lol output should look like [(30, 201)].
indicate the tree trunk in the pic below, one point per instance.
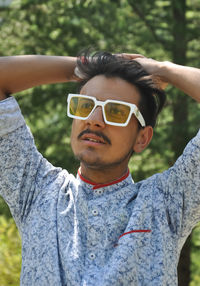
[(184, 265), (180, 102), (180, 130)]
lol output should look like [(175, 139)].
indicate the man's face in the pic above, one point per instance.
[(96, 144)]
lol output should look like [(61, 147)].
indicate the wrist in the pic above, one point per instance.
[(161, 74), (164, 69)]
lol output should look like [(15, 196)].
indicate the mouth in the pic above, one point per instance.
[(93, 138)]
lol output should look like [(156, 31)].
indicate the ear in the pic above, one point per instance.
[(143, 139)]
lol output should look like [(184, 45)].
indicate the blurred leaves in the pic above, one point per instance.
[(195, 257), (10, 253), (58, 27)]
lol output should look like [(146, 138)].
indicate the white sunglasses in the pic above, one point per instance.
[(115, 112)]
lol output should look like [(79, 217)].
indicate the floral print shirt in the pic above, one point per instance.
[(77, 233)]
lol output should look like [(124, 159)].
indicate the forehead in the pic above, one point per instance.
[(115, 88)]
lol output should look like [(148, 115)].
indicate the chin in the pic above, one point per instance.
[(91, 162)]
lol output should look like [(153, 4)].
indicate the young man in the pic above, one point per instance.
[(98, 228)]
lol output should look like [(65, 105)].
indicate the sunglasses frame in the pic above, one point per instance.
[(133, 110)]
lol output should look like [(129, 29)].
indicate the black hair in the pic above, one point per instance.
[(152, 99)]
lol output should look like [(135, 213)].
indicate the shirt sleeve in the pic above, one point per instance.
[(23, 170), (181, 186)]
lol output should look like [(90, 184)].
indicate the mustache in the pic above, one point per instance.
[(97, 133)]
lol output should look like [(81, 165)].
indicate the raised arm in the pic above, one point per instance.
[(185, 78), (18, 73)]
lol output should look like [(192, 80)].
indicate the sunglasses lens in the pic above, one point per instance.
[(116, 112), (80, 106)]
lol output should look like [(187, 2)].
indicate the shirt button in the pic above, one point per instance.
[(92, 256), (98, 192), (95, 212)]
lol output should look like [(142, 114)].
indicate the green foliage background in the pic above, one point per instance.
[(10, 252), (165, 30)]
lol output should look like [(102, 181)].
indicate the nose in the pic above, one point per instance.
[(96, 118)]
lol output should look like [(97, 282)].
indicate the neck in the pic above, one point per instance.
[(102, 176)]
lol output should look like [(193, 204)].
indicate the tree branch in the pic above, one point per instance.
[(141, 15)]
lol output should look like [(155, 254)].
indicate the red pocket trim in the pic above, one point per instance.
[(136, 230)]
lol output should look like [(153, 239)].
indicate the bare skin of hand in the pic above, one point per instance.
[(153, 67)]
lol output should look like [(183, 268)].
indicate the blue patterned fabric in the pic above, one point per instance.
[(72, 233)]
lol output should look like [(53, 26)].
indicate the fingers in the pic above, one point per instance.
[(132, 56), (160, 83), (150, 65)]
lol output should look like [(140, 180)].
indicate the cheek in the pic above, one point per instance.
[(124, 138), (75, 128), (74, 133)]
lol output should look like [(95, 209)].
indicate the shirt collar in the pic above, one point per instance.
[(97, 186)]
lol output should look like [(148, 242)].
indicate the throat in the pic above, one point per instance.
[(102, 176)]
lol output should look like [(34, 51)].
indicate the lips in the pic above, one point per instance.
[(92, 138)]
